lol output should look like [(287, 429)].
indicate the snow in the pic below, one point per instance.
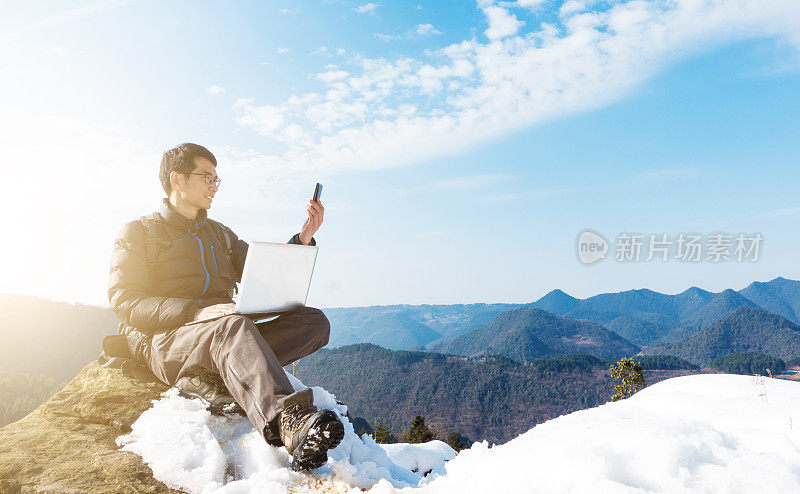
[(706, 433), (188, 448), (420, 458)]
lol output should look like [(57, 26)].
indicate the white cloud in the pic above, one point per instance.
[(419, 31), (214, 90), (426, 30), (501, 23), (265, 119), (367, 8), (472, 92), (386, 37), (283, 50), (332, 75), (572, 7), (531, 4), (290, 11), (329, 52)]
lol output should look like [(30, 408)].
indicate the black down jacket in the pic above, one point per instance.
[(192, 270)]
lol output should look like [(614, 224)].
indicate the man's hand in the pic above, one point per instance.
[(213, 311), (314, 221)]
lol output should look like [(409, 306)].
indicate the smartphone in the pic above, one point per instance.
[(317, 192)]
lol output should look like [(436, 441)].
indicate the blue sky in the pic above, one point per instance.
[(463, 146)]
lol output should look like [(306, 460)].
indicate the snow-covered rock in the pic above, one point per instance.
[(708, 433), (700, 433), (192, 450)]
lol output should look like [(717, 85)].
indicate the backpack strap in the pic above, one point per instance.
[(226, 234), (222, 231)]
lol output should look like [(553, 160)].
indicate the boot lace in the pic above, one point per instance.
[(295, 416)]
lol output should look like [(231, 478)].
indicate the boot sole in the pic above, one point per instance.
[(325, 433)]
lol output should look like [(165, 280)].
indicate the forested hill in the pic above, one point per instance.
[(717, 308), (779, 296), (748, 329), (20, 393), (525, 334), (47, 338), (642, 316), (491, 398), (402, 327)]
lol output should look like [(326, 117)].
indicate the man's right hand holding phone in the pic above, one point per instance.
[(315, 214)]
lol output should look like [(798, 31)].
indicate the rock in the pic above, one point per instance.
[(67, 444)]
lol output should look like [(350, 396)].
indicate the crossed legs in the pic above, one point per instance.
[(248, 357)]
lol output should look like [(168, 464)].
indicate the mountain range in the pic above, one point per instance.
[(525, 334), (380, 324), (62, 337), (747, 329), (493, 353), (642, 316)]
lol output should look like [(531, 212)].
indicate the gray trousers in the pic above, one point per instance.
[(248, 357)]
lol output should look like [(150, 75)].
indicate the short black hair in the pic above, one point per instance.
[(181, 159)]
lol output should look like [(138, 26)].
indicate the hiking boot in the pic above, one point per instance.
[(210, 388), (308, 434)]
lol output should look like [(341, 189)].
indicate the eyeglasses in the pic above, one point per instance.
[(209, 179)]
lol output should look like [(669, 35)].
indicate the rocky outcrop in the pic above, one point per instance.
[(67, 444)]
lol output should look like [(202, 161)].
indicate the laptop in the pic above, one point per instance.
[(276, 279)]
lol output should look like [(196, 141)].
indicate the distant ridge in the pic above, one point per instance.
[(721, 305), (397, 331), (527, 333), (63, 337), (375, 324), (47, 338), (690, 301), (747, 329), (557, 302), (780, 296), (642, 316), (616, 304)]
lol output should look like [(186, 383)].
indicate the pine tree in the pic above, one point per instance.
[(418, 432), (631, 375), (382, 434), (456, 441)]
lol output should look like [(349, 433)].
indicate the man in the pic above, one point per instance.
[(176, 266)]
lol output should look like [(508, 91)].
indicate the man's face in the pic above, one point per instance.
[(195, 191)]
